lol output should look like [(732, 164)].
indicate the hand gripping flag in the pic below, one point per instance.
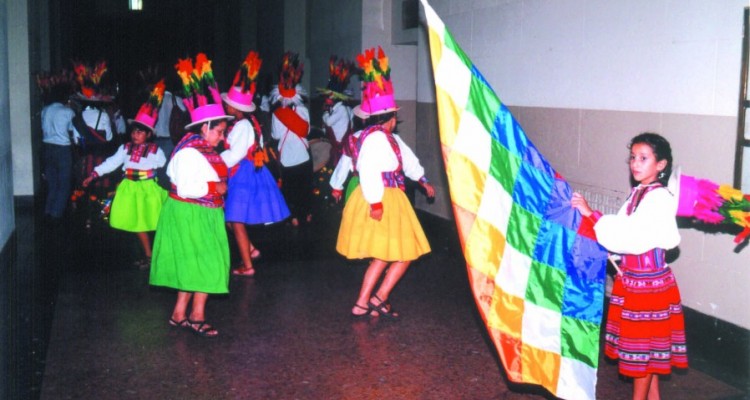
[(535, 268)]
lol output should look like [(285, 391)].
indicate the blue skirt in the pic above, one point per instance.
[(253, 197)]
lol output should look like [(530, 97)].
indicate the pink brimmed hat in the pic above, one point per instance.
[(149, 111), (239, 100), (377, 88), (202, 97), (240, 95)]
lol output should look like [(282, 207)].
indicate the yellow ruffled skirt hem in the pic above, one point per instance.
[(398, 236)]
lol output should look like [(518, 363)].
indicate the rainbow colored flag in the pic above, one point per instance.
[(535, 268)]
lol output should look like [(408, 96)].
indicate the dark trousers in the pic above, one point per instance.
[(58, 171), (296, 185)]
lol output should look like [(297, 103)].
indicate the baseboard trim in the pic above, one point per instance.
[(718, 348)]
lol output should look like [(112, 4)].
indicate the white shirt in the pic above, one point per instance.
[(161, 129), (339, 119), (376, 156), (190, 172), (342, 169), (96, 119), (121, 157), (652, 225), (56, 122), (292, 148), (120, 124), (240, 139)]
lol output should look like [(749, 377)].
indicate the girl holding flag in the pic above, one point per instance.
[(645, 327)]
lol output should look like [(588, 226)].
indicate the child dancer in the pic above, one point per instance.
[(290, 125), (378, 221), (191, 251), (645, 325), (252, 195), (138, 199)]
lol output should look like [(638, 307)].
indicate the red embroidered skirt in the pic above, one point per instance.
[(645, 325)]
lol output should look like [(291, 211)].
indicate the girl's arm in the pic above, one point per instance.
[(161, 159), (652, 225), (240, 139), (339, 175), (412, 168), (108, 165)]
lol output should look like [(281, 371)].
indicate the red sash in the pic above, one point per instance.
[(292, 121)]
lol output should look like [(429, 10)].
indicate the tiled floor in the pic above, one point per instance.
[(285, 334)]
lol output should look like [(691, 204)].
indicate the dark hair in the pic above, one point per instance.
[(380, 118), (58, 94), (150, 135), (662, 151)]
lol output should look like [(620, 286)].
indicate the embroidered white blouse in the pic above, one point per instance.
[(190, 172), (652, 225), (147, 161), (375, 157)]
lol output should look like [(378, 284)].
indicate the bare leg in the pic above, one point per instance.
[(372, 275), (243, 244), (145, 242), (394, 274), (641, 387), (180, 307), (653, 391), (198, 313), (198, 316)]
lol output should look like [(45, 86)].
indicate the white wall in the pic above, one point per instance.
[(676, 56), (20, 107), (7, 219), (584, 76)]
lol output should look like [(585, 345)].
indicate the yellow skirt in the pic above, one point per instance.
[(398, 236)]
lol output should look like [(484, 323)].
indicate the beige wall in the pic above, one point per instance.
[(589, 148)]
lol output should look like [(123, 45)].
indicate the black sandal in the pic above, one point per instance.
[(202, 329), (363, 315), (383, 308), (178, 324)]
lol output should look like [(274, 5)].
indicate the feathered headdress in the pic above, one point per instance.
[(339, 73), (149, 111), (709, 202), (377, 89), (89, 80), (55, 86), (202, 97), (240, 95), (288, 91)]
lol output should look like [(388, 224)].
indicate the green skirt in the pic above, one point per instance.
[(351, 187), (137, 205), (191, 251)]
